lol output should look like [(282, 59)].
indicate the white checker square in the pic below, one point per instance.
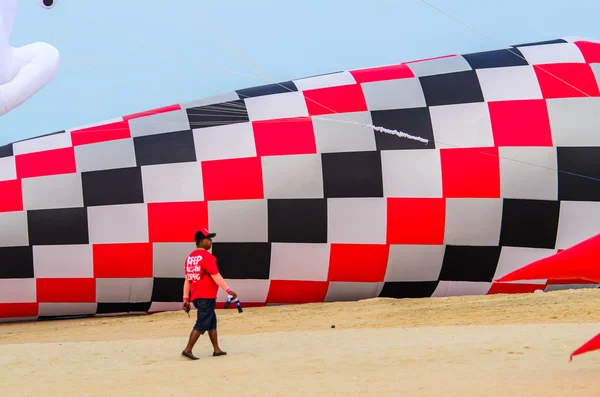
[(325, 81), (170, 183), (159, 123), (63, 261), (509, 83), (299, 262), (239, 220), (349, 218), (412, 173), (252, 291), (59, 191), (276, 106), (15, 230), (578, 221), (552, 53), (224, 142), (168, 259), (461, 288), (293, 176), (574, 121), (463, 125), (414, 262), (335, 133), (352, 291), (8, 169), (124, 290), (473, 221), (108, 155), (442, 65), (18, 290), (127, 223), (394, 94), (513, 258), (66, 309), (211, 100), (49, 142), (528, 173)]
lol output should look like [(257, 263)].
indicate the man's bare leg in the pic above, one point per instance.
[(212, 334), (194, 335)]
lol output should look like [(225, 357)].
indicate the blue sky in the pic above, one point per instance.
[(125, 56)]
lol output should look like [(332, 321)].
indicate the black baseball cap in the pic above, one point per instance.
[(204, 233)]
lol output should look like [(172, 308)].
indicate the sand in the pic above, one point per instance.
[(499, 345)]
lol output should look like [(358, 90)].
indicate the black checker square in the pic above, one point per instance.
[(536, 43), (166, 148), (224, 113), (412, 121), (61, 226), (529, 223), (112, 187), (408, 289), (452, 88), (496, 58), (167, 289), (243, 260), (297, 220), (470, 263), (268, 89), (352, 174), (6, 150), (123, 307), (16, 262), (578, 173)]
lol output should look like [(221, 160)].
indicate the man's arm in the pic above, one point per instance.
[(186, 289), (220, 281)]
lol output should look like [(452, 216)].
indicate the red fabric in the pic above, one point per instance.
[(296, 292), (589, 50), (339, 99), (470, 172), (517, 288), (176, 222), (11, 196), (66, 290), (358, 262), (591, 345), (18, 310), (123, 260), (391, 72), (151, 112), (520, 123), (579, 77), (284, 136), (101, 133), (416, 220), (233, 179), (199, 265), (49, 162), (577, 262)]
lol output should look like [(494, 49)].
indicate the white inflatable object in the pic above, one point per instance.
[(23, 70)]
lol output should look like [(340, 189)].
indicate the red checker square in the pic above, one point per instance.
[(520, 123), (573, 281), (567, 80), (470, 172), (164, 109), (123, 260), (66, 290), (49, 162), (176, 222), (284, 136), (11, 196), (390, 72), (233, 179), (416, 221), (358, 262), (101, 133), (340, 99), (295, 292), (589, 50), (18, 310), (514, 288)]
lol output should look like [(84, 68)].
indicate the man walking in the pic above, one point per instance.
[(202, 282)]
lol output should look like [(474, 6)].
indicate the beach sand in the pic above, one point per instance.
[(498, 345)]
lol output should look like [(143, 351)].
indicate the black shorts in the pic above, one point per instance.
[(207, 318)]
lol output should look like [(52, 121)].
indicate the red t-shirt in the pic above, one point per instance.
[(199, 265)]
